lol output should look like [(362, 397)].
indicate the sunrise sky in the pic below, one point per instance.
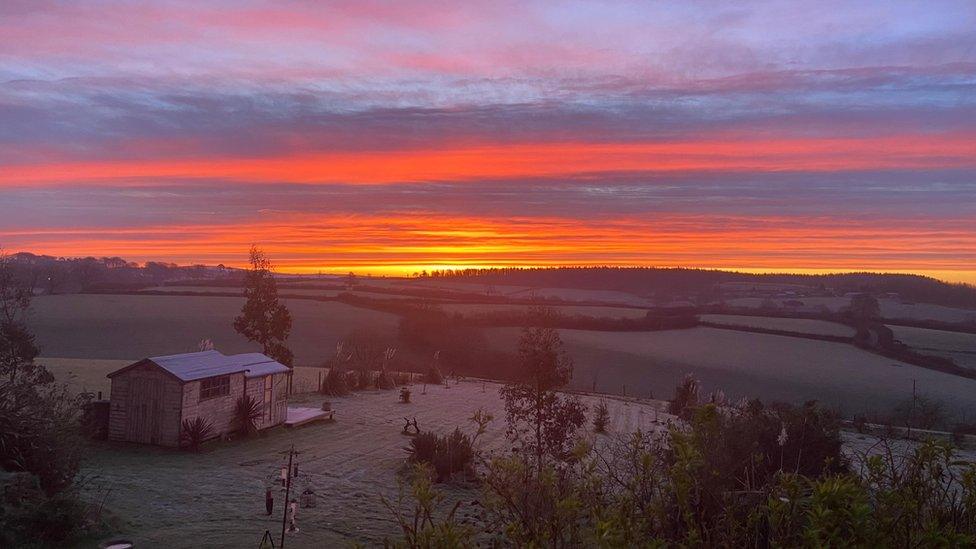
[(390, 137)]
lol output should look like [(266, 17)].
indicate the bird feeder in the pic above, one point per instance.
[(307, 498)]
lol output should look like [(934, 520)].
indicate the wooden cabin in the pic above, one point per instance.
[(151, 398)]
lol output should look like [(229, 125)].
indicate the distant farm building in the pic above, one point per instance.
[(151, 398)]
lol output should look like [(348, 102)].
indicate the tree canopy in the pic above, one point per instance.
[(263, 318)]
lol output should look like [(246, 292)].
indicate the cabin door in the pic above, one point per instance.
[(144, 411)]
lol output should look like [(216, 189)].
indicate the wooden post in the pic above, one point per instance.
[(284, 516)]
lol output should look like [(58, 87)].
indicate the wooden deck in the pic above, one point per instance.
[(301, 416)]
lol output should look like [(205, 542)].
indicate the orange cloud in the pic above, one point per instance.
[(406, 243), (523, 160)]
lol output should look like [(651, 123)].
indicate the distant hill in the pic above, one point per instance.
[(649, 281)]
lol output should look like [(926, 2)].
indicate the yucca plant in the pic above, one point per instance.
[(246, 413), (194, 432)]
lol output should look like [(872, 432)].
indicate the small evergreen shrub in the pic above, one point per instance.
[(335, 383), (364, 379), (404, 395), (384, 380), (434, 376), (686, 398), (602, 418)]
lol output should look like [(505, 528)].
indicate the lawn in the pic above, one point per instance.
[(958, 346), (745, 364), (167, 498), (130, 327), (800, 325)]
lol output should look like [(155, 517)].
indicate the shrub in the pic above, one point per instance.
[(404, 395), (602, 418), (247, 411), (194, 432), (434, 376), (920, 413), (384, 380), (336, 382), (363, 379), (29, 518), (427, 527), (447, 455), (686, 397)]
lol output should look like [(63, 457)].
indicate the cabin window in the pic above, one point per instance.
[(214, 387)]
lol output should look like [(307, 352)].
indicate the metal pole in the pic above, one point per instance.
[(284, 516)]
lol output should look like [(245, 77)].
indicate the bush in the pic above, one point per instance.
[(404, 395), (434, 376), (336, 382), (447, 455), (730, 478), (686, 397), (384, 380), (29, 518), (363, 379), (602, 418), (920, 413), (194, 432), (427, 526)]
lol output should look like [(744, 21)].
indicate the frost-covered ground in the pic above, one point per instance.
[(166, 498)]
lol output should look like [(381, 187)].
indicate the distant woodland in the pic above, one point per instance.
[(650, 281), (52, 275)]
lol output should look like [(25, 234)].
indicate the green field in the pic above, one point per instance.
[(960, 347), (131, 327), (753, 365), (799, 325)]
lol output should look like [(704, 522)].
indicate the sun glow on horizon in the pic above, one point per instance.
[(404, 139)]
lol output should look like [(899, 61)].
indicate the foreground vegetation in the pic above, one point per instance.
[(742, 475), (40, 437)]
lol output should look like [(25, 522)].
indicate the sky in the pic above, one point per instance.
[(392, 137)]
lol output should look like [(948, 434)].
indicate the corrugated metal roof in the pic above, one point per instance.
[(193, 366)]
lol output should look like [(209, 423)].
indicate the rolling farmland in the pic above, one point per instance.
[(130, 327), (960, 347), (747, 364), (799, 325)]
